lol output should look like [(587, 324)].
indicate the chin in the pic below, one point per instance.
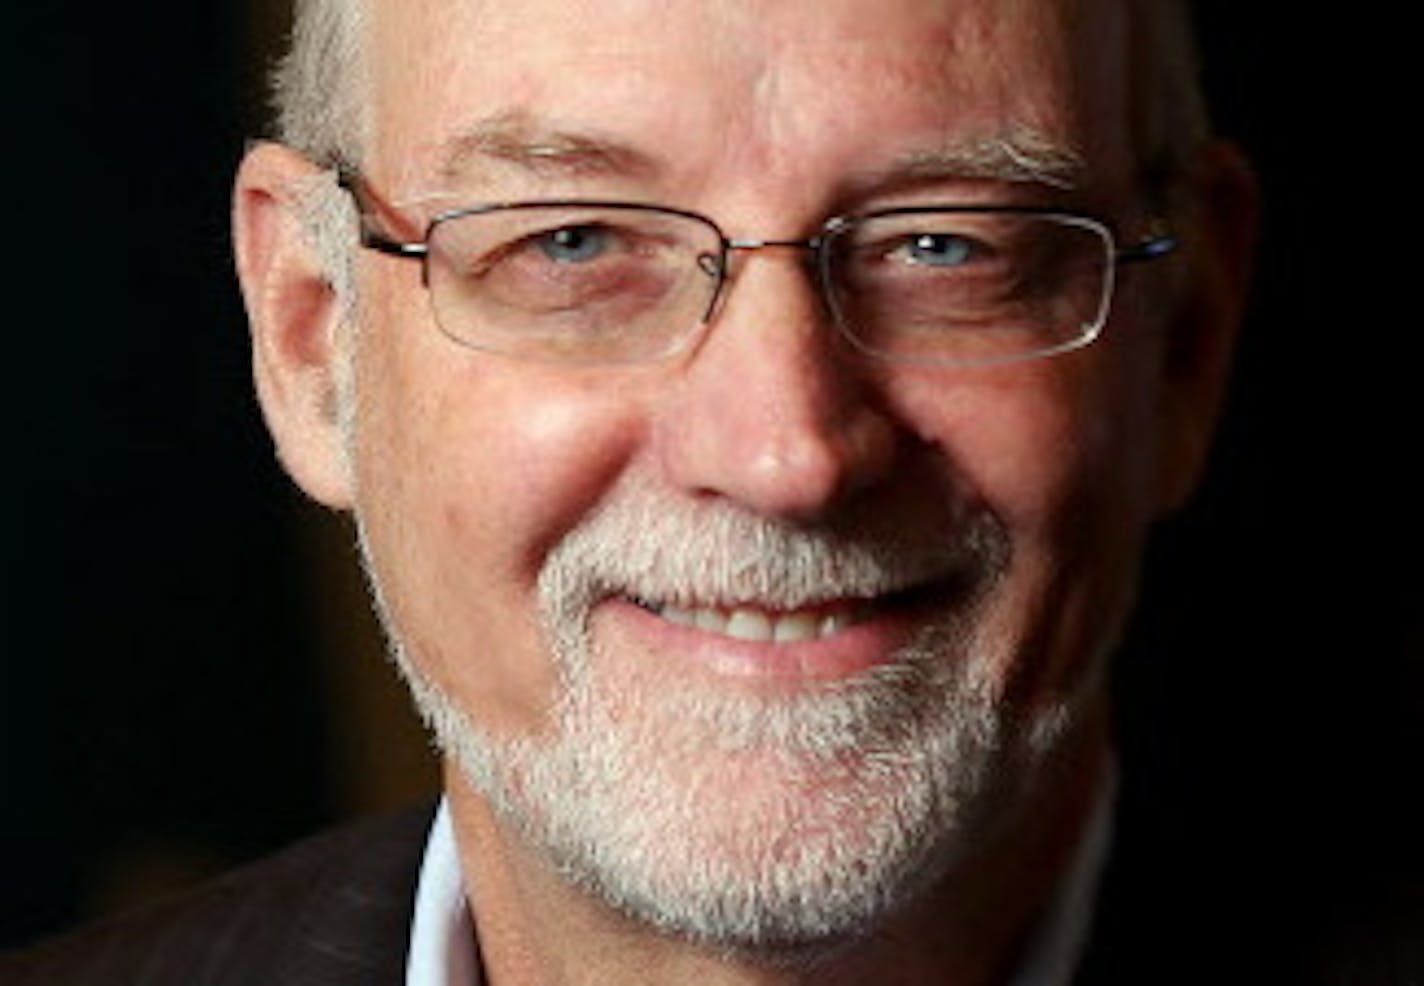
[(777, 827), (778, 822)]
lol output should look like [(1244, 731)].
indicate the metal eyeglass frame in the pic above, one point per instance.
[(1157, 244)]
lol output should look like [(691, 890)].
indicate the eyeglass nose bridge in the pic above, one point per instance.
[(813, 244), (720, 266)]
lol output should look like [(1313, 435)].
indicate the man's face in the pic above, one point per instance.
[(755, 639)]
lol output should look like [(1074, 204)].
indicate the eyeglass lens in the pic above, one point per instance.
[(588, 283)]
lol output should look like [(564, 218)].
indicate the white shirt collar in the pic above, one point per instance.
[(442, 940), (442, 936)]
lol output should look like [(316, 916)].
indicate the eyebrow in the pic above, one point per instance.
[(516, 138), (1017, 155)]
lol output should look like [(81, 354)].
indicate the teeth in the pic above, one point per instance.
[(681, 617), (706, 619), (759, 625), (833, 623), (746, 624), (796, 627)]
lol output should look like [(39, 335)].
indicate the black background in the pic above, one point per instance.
[(153, 684)]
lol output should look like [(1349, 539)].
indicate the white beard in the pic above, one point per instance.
[(757, 823)]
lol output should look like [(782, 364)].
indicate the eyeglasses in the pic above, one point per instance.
[(615, 282)]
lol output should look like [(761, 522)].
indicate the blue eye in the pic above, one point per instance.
[(573, 244), (939, 249)]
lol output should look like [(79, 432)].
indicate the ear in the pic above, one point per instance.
[(294, 315), (1207, 304)]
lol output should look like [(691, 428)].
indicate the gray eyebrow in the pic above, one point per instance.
[(516, 138), (1020, 155)]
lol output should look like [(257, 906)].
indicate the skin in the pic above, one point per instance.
[(467, 468)]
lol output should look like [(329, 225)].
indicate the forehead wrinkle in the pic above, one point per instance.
[(518, 139), (1013, 130)]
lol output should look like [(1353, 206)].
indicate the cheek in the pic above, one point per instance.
[(469, 469), (1060, 452), (1030, 442)]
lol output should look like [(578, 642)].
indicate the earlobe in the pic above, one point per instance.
[(294, 316), (1207, 308)]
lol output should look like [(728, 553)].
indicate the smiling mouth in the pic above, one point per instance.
[(751, 622)]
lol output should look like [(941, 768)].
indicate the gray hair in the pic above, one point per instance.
[(318, 87), (319, 97)]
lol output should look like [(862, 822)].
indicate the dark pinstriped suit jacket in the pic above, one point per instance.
[(332, 912), (336, 911)]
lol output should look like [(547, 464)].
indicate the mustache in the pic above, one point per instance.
[(662, 548)]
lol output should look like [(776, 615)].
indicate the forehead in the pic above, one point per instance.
[(747, 87)]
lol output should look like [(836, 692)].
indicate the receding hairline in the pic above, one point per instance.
[(321, 86)]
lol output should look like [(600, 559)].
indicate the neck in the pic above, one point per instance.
[(534, 929)]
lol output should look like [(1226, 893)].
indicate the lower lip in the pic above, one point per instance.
[(869, 643)]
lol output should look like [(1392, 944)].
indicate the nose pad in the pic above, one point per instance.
[(714, 266)]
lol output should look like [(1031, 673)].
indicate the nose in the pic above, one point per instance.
[(769, 411)]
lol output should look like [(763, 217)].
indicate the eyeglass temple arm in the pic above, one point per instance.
[(1152, 248), (384, 244), (349, 179)]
